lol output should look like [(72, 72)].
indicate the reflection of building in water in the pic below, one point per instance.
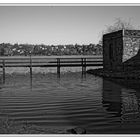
[(112, 97), (120, 101), (130, 106)]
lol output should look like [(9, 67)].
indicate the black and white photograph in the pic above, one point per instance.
[(69, 69)]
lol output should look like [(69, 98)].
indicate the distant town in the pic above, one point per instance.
[(7, 49)]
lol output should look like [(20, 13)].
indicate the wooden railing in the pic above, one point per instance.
[(82, 61)]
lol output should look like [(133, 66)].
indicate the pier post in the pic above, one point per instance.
[(58, 66), (83, 61), (84, 65), (3, 68), (30, 68)]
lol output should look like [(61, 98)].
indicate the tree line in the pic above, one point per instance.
[(7, 49)]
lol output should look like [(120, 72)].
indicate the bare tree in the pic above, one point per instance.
[(119, 24)]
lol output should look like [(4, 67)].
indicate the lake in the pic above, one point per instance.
[(49, 102)]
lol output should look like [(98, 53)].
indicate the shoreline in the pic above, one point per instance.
[(135, 74)]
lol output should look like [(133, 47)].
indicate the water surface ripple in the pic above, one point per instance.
[(98, 105)]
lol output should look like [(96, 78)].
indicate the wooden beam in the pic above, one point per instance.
[(3, 68), (58, 66), (30, 67)]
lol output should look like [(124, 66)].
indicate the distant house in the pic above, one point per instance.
[(119, 48)]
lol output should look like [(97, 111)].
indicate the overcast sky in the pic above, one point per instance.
[(60, 24)]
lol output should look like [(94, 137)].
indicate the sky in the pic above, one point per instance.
[(61, 24)]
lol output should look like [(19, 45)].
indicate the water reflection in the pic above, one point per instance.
[(122, 99), (111, 97), (96, 104), (31, 81), (130, 103)]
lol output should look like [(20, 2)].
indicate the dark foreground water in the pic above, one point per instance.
[(92, 103)]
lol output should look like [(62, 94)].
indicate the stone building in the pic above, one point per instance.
[(120, 48)]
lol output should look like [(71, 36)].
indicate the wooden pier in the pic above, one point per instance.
[(82, 61)]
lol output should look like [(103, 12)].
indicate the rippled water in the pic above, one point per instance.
[(97, 105)]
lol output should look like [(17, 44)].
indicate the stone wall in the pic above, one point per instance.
[(112, 50), (131, 44)]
